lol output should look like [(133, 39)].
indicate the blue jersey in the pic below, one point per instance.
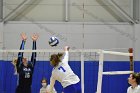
[(25, 72)]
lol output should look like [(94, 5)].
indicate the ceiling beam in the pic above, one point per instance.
[(1, 10), (119, 9), (23, 6), (136, 10), (116, 11)]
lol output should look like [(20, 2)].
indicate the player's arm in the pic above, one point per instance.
[(52, 82), (54, 91), (33, 57), (40, 91), (66, 55), (20, 54)]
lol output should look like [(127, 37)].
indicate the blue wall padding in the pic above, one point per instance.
[(111, 84)]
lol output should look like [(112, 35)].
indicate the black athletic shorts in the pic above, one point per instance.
[(25, 89)]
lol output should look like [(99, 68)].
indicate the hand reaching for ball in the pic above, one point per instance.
[(66, 48)]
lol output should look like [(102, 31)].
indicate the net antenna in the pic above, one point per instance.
[(131, 59), (101, 72)]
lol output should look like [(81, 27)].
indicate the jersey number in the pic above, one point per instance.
[(27, 75), (61, 68)]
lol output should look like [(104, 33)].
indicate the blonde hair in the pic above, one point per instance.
[(14, 62)]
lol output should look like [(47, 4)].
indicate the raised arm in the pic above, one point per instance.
[(20, 54), (33, 57), (66, 55)]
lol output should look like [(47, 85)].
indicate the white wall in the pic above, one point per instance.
[(46, 10), (1, 34), (1, 38), (76, 35), (137, 43)]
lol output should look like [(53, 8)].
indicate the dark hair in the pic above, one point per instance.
[(136, 76), (44, 79), (55, 59)]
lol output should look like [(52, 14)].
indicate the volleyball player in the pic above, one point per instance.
[(24, 68), (134, 81), (63, 73)]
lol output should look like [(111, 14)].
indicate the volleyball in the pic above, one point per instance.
[(53, 41)]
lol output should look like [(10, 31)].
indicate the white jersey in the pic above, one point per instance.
[(45, 89), (63, 73), (133, 90)]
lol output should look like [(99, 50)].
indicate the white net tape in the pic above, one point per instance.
[(117, 72)]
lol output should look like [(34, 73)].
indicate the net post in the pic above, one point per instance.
[(131, 59), (82, 71), (100, 72)]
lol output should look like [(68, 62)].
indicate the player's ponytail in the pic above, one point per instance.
[(60, 55), (14, 62), (137, 77)]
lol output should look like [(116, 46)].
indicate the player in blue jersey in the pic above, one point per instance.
[(24, 68), (63, 73)]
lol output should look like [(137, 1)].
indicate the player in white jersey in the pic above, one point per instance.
[(134, 81), (63, 73)]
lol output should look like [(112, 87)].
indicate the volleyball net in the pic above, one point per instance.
[(82, 55)]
